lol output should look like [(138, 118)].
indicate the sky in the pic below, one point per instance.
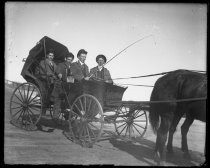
[(177, 37)]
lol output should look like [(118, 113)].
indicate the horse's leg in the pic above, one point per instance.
[(172, 129), (161, 139), (184, 130)]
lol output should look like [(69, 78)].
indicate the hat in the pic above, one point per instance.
[(82, 51), (101, 56), (69, 55), (50, 51)]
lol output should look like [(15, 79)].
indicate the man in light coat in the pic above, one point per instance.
[(79, 69), (100, 73)]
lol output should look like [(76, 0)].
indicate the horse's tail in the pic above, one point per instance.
[(154, 115)]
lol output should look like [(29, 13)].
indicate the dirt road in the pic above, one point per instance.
[(52, 147)]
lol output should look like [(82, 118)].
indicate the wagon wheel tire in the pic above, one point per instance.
[(131, 125), (26, 106), (86, 120)]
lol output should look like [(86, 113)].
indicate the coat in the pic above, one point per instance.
[(65, 70), (45, 70), (77, 71), (105, 74)]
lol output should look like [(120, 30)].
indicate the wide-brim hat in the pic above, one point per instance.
[(70, 55), (101, 56)]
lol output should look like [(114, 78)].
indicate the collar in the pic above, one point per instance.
[(67, 64), (100, 68), (80, 62), (49, 62)]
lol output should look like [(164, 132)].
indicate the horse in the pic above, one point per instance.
[(183, 85)]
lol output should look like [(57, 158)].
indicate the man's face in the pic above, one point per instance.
[(101, 61), (69, 59), (82, 57), (50, 56)]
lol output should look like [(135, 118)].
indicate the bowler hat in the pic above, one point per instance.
[(101, 56), (69, 55), (82, 51)]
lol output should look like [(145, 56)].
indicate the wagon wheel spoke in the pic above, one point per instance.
[(31, 94), (20, 114), (139, 126), (89, 104), (17, 113), (16, 107), (122, 129), (33, 98), (35, 108), (77, 108), (140, 120), (121, 125), (16, 102), (139, 115), (81, 105), (137, 129), (18, 98), (29, 117), (91, 131), (23, 88), (28, 92)]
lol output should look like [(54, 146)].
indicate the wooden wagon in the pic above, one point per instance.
[(86, 114)]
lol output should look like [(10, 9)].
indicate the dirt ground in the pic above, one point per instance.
[(52, 147)]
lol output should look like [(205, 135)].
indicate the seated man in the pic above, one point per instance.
[(63, 87), (46, 72), (100, 73)]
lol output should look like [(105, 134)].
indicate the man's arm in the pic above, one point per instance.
[(107, 77)]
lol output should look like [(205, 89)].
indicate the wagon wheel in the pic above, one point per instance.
[(26, 106), (131, 123), (86, 120)]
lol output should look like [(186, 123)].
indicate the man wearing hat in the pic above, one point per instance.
[(79, 69), (100, 73)]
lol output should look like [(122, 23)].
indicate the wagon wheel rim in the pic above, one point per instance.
[(86, 119), (132, 125), (26, 106)]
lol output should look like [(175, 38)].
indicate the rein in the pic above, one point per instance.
[(163, 101)]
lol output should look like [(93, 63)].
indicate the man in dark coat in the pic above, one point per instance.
[(46, 71), (100, 73), (62, 86)]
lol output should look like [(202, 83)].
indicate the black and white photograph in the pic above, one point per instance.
[(90, 83)]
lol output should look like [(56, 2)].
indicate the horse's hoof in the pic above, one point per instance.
[(187, 155), (157, 158)]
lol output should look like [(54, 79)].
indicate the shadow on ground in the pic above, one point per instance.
[(143, 151)]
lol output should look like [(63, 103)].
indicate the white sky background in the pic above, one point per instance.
[(179, 31)]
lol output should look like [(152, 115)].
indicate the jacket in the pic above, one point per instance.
[(77, 71), (65, 70), (104, 72), (45, 70)]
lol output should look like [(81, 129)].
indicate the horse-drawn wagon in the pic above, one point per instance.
[(86, 113)]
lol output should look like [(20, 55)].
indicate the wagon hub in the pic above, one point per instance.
[(25, 104), (129, 120)]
